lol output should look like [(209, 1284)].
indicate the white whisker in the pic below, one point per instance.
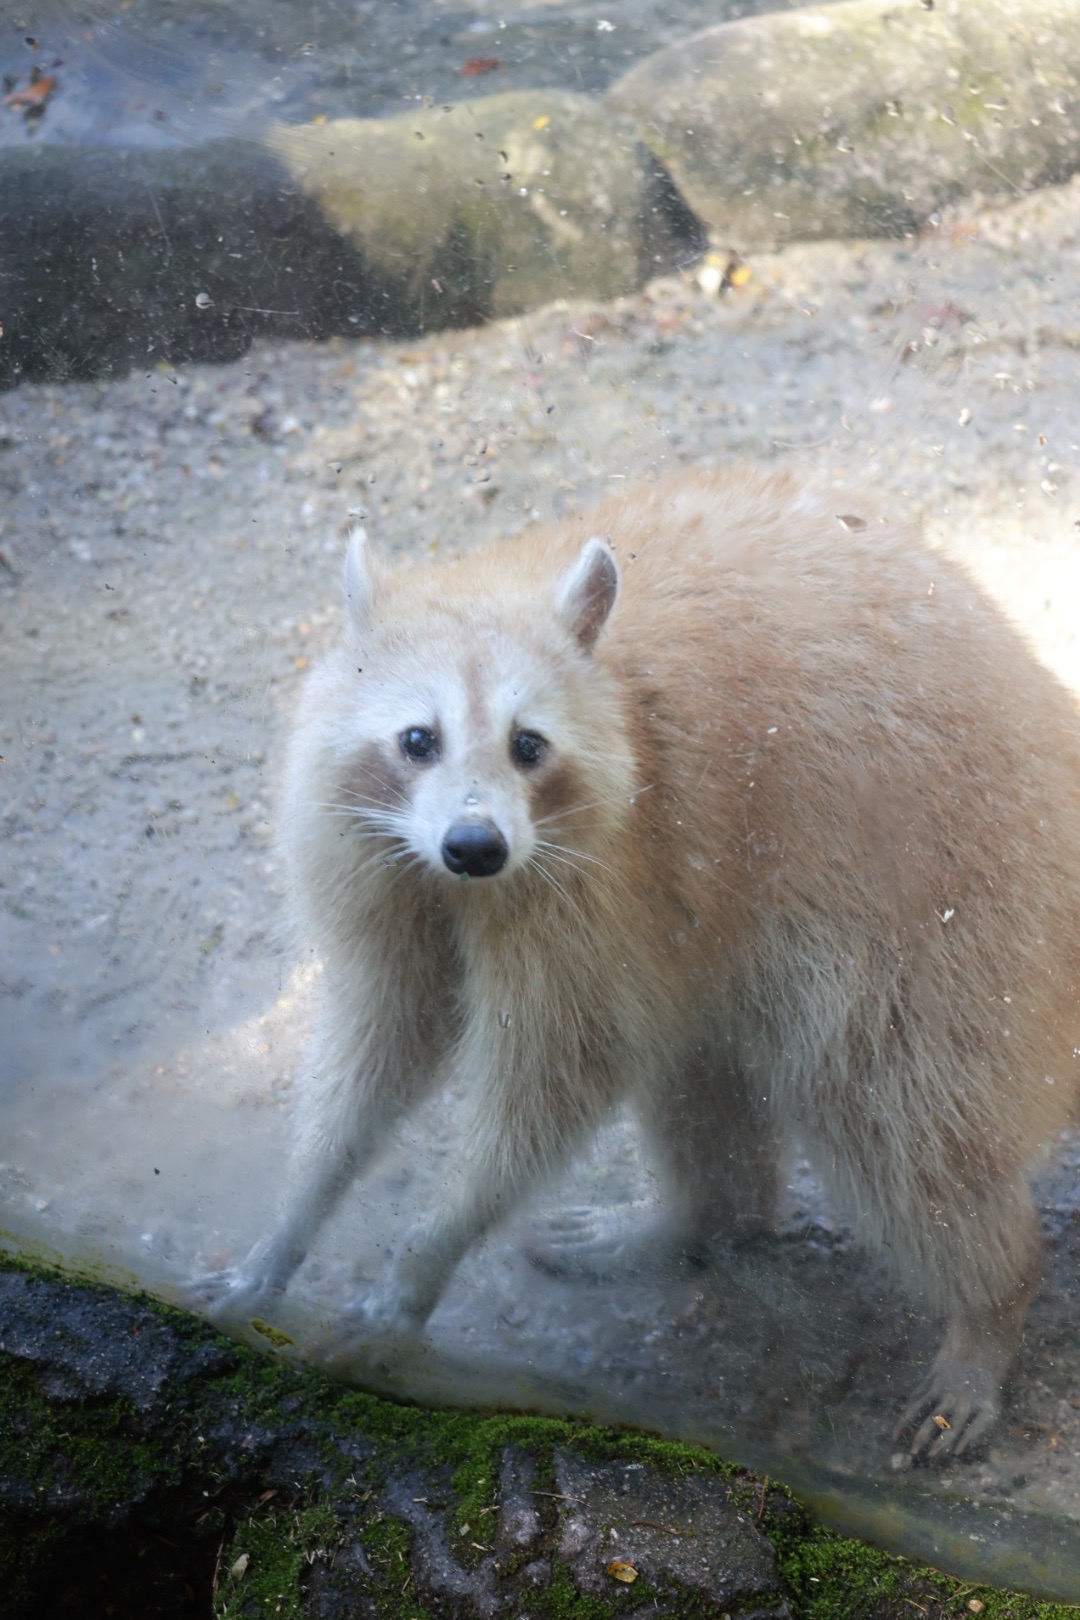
[(593, 804), (569, 856), (536, 864), (391, 788)]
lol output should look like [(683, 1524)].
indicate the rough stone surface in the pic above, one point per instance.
[(497, 204), (438, 218), (857, 119), (860, 119), (675, 1534), (154, 1469)]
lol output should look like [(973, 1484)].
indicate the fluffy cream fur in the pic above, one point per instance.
[(801, 853)]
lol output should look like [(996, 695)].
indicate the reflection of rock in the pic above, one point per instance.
[(444, 217), (860, 119)]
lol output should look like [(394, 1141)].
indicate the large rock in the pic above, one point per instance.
[(441, 217), (147, 1467), (862, 118), (504, 202), (150, 1467)]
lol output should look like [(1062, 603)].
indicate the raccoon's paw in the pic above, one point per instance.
[(388, 1310), (950, 1416), (608, 1245), (233, 1291)]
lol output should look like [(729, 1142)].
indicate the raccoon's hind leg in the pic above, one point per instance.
[(985, 1252), (928, 1187), (716, 1156)]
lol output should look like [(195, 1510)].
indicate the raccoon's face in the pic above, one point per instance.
[(488, 743)]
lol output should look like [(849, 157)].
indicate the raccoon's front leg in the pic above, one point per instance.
[(523, 1125), (364, 1078)]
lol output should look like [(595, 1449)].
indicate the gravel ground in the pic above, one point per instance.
[(169, 559)]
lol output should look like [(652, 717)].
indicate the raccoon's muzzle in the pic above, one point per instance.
[(474, 848)]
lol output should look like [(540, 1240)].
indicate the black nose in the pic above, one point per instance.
[(475, 848)]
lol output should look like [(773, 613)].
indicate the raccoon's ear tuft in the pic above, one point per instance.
[(587, 592), (358, 579)]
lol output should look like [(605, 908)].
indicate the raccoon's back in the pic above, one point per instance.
[(848, 745)]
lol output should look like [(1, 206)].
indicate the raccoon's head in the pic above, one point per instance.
[(486, 740)]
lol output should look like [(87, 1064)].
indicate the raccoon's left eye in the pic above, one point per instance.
[(419, 743), (527, 748)]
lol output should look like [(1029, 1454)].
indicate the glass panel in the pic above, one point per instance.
[(239, 327)]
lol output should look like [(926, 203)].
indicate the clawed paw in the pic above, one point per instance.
[(948, 1419), (603, 1246), (387, 1311), (231, 1292)]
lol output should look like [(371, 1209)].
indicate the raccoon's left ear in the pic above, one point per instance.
[(587, 592), (357, 579)]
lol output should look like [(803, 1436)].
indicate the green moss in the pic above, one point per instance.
[(262, 1571), (23, 1551), (387, 1545), (563, 1601), (831, 1577), (96, 1454), (104, 1453)]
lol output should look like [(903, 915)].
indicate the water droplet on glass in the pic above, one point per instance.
[(203, 300), (504, 1020)]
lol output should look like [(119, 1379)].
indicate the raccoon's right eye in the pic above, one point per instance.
[(419, 743)]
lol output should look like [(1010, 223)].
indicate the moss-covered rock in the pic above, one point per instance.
[(149, 1467), (861, 119), (440, 218), (494, 205)]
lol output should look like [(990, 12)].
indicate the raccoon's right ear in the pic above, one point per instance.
[(358, 579), (587, 592)]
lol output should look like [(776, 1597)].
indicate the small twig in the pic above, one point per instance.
[(216, 1582), (651, 1524), (761, 1505)]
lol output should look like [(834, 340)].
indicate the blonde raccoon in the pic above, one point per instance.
[(713, 802)]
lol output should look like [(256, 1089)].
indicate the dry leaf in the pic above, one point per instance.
[(33, 95), (620, 1571)]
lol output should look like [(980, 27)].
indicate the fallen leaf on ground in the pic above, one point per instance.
[(31, 95)]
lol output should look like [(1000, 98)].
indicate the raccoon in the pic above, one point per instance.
[(761, 820)]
